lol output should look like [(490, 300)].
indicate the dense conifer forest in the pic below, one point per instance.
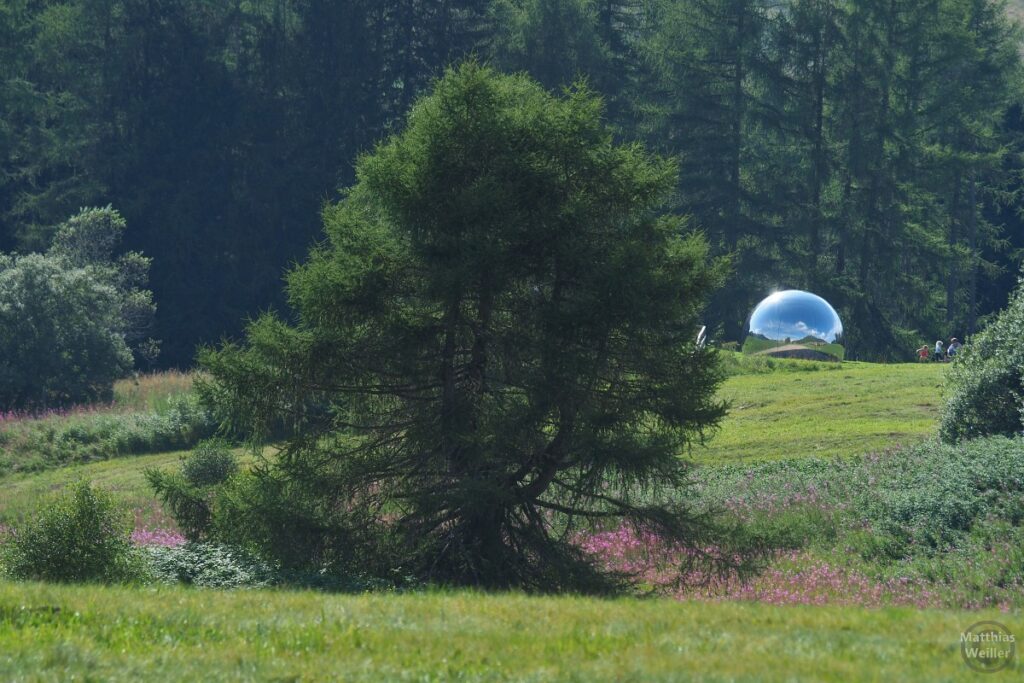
[(868, 150)]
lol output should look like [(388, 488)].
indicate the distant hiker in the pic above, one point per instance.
[(940, 351), (954, 348), (923, 353)]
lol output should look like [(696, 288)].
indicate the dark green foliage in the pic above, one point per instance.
[(220, 128), (190, 493), (856, 149), (68, 317), (985, 384), (867, 150), (81, 536), (495, 346), (59, 341), (210, 464)]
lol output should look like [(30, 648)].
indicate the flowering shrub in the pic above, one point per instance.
[(924, 499), (164, 538), (794, 578), (932, 525)]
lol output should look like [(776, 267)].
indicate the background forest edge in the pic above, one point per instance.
[(868, 154)]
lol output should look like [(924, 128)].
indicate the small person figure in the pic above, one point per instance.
[(923, 353), (940, 351), (953, 348)]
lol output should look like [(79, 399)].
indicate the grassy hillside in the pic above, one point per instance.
[(21, 493), (825, 410), (124, 634), (797, 409)]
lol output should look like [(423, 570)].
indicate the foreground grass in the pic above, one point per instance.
[(125, 634), (851, 409)]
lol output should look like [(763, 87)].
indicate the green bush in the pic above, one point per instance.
[(211, 463), (213, 565), (985, 384), (80, 536), (68, 317), (189, 494)]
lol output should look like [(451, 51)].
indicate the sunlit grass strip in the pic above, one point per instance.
[(152, 391), (125, 634), (851, 410), (149, 392)]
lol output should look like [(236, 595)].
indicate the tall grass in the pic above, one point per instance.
[(151, 392), (149, 414)]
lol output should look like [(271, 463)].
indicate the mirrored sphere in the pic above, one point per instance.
[(795, 324)]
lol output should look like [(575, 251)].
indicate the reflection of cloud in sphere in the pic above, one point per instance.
[(795, 324)]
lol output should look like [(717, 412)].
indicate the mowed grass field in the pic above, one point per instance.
[(51, 633), (848, 409), (124, 477)]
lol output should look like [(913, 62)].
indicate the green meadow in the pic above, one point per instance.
[(781, 413), (56, 633), (830, 410)]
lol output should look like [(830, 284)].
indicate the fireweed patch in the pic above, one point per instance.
[(929, 526), (165, 538), (795, 578)]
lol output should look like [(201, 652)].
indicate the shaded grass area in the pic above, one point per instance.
[(124, 634), (797, 409)]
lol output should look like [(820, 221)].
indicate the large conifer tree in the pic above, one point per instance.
[(494, 345)]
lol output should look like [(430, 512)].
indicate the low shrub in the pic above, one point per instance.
[(214, 565), (208, 566), (909, 502), (948, 519), (211, 463), (80, 536)]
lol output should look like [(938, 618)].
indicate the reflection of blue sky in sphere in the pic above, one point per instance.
[(795, 316)]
